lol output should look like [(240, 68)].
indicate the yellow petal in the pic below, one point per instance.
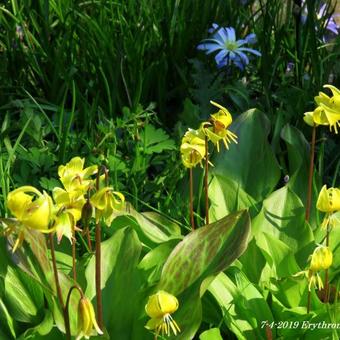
[(160, 304)]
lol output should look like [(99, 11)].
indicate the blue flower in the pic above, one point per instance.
[(230, 50), (330, 23)]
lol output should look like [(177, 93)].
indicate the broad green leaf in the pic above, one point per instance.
[(282, 234), (151, 228), (250, 164), (21, 304), (243, 305), (307, 324), (42, 330), (163, 223), (226, 196), (120, 282), (189, 313), (152, 263), (253, 262), (298, 157), (205, 252), (211, 334), (279, 256)]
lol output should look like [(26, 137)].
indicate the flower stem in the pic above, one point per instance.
[(98, 276), (69, 298), (191, 199), (88, 237), (74, 270), (326, 270), (58, 288), (308, 301), (310, 177), (98, 265), (206, 181)]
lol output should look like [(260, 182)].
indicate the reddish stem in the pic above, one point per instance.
[(58, 288)]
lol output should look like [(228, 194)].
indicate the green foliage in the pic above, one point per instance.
[(118, 84)]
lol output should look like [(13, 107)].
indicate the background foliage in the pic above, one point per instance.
[(119, 83)]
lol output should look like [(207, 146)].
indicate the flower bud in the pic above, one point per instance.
[(86, 319), (86, 212)]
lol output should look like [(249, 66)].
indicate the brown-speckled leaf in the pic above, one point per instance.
[(206, 251)]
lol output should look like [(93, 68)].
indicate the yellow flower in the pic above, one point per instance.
[(328, 110), (31, 207), (69, 207), (321, 258), (314, 280), (328, 200), (317, 117), (107, 202), (192, 148), (74, 177), (217, 128), (159, 308), (86, 320)]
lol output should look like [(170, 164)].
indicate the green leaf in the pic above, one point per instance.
[(156, 140), (152, 263), (120, 282), (226, 196), (250, 164), (151, 227), (21, 304), (205, 252), (243, 305), (6, 321), (43, 329), (298, 160), (211, 334), (282, 234)]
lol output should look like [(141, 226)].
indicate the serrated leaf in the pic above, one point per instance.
[(156, 140)]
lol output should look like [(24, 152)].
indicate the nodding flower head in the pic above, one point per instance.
[(32, 210), (328, 200), (87, 323), (217, 128), (106, 203), (321, 259), (192, 148), (327, 111), (159, 308), (31, 207)]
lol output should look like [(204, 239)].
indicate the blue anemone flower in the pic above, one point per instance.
[(229, 49)]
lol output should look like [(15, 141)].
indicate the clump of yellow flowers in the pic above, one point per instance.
[(193, 148), (327, 111), (61, 212), (159, 308)]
